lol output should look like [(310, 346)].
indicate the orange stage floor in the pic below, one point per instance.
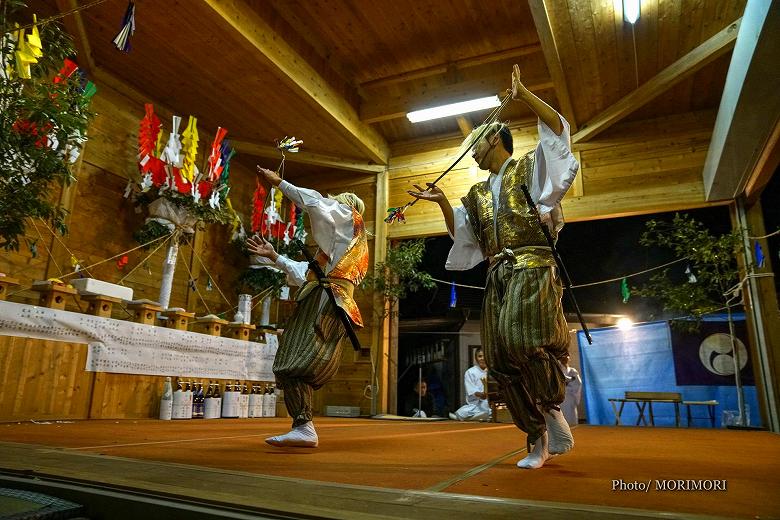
[(463, 458)]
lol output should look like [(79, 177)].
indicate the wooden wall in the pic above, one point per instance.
[(635, 168)]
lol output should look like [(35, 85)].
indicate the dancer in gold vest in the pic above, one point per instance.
[(524, 331), (310, 347)]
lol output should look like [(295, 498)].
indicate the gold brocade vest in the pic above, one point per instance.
[(515, 227), (348, 272)]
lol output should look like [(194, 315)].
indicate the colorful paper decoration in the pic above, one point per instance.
[(226, 153), (624, 290), (89, 90), (68, 68), (215, 165), (190, 147), (28, 50), (300, 229), (289, 144), (127, 28), (172, 151), (453, 296), (759, 255), (396, 215), (258, 203), (122, 262), (148, 133)]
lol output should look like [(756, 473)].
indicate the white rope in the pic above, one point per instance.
[(581, 285)]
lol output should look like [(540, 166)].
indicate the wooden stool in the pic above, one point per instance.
[(99, 304), (5, 284), (212, 325), (144, 311), (178, 318), (241, 330), (53, 294)]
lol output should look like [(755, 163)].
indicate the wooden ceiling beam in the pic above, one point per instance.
[(328, 161), (74, 24), (678, 71), (384, 108), (300, 76), (553, 60), (443, 68)]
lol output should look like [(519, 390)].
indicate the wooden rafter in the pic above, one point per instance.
[(553, 60), (300, 76), (74, 24), (385, 108), (303, 157), (458, 65), (678, 71)]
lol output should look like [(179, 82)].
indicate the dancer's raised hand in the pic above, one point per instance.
[(259, 246), (269, 176)]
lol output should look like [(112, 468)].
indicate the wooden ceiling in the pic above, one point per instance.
[(341, 74)]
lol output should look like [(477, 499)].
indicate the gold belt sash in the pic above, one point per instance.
[(524, 257)]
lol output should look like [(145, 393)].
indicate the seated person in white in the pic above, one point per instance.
[(476, 407), (573, 392)]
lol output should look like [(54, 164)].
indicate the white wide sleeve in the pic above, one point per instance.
[(473, 383), (295, 271), (331, 221), (554, 171), (465, 252)]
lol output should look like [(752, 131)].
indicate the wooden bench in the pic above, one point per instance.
[(645, 400)]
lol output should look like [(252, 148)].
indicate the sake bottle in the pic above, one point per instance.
[(166, 401)]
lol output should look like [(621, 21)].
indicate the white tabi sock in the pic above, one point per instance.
[(538, 455), (561, 439), (303, 436)]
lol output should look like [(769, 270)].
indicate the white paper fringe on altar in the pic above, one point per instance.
[(124, 347)]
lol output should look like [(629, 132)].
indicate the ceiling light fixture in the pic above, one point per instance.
[(631, 11), (453, 109)]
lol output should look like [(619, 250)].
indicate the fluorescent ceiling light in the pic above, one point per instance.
[(453, 109), (631, 11)]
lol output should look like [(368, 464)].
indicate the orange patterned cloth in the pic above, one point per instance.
[(348, 272)]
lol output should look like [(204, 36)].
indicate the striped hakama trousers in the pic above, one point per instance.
[(309, 353), (524, 333)]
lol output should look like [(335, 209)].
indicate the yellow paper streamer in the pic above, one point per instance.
[(160, 143), (28, 49), (190, 147), (23, 56), (34, 41)]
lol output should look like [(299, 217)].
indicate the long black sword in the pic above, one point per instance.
[(341, 313), (558, 261)]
